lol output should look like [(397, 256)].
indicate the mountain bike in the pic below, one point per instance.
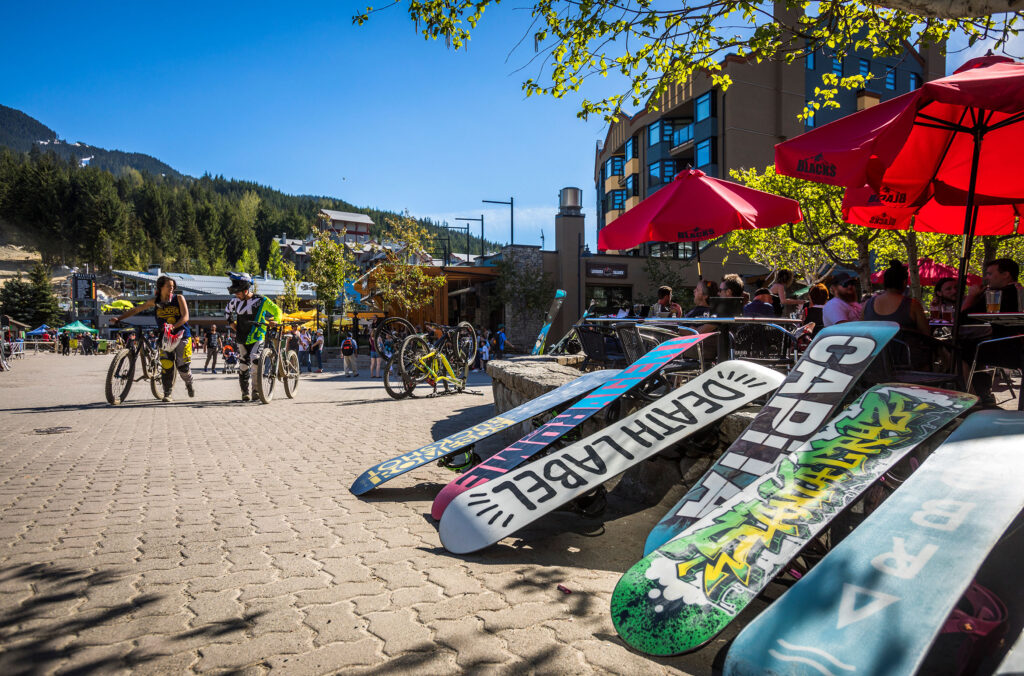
[(446, 361), (389, 335), (121, 373), (276, 363), (395, 383), (5, 352)]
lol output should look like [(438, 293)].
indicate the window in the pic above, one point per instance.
[(809, 121), (630, 148), (915, 81), (632, 186), (618, 199), (702, 107), (810, 61), (661, 172), (890, 79), (837, 66), (865, 67), (613, 167), (681, 135), (660, 131), (705, 153), (609, 299)]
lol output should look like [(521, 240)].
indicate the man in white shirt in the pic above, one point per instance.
[(843, 307)]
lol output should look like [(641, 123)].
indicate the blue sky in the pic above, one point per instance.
[(292, 95)]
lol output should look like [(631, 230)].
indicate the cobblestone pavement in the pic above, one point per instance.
[(210, 536)]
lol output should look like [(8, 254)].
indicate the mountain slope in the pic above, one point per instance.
[(22, 133)]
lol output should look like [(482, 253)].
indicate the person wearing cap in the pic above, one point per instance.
[(499, 341), (843, 306), (761, 306), (251, 314)]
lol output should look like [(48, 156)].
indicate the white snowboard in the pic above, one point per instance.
[(481, 517)]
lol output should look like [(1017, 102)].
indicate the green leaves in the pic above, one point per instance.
[(654, 45)]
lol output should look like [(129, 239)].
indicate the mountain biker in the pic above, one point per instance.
[(251, 314), (175, 343)]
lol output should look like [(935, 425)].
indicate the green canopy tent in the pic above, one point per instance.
[(77, 327)]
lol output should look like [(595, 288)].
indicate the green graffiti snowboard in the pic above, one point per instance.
[(684, 593)]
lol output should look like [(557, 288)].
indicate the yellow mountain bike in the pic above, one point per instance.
[(444, 361)]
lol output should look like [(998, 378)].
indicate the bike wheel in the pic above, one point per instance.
[(156, 383), (465, 345), (119, 377), (265, 376), (393, 331), (291, 373), (414, 348), (396, 386)]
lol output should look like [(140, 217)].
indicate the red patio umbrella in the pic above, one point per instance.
[(862, 206), (695, 207), (929, 272), (957, 138)]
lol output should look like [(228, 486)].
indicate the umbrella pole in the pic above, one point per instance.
[(970, 217), (700, 275)]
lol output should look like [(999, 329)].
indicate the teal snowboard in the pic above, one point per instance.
[(683, 594), (542, 337), (875, 604), (817, 385)]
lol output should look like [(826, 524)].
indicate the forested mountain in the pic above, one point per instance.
[(123, 216), (20, 132)]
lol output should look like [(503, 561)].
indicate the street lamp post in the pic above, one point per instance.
[(481, 219), (511, 216)]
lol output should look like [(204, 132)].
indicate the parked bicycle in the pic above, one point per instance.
[(390, 334), (444, 361), (276, 362), (121, 373), (6, 354)]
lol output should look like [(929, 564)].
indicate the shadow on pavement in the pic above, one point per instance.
[(34, 636)]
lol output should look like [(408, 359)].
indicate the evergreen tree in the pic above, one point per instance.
[(17, 299), (44, 302), (275, 262), (248, 262)]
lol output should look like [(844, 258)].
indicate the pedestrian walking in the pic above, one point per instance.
[(348, 355), (484, 352), (304, 342), (375, 362), (213, 346), (317, 350)]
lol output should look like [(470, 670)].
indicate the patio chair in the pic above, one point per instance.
[(911, 358), (596, 351), (767, 344), (633, 345), (999, 364)]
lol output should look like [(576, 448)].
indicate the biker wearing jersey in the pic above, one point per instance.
[(172, 319), (251, 314)]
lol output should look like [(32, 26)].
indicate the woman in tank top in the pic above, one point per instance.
[(893, 306)]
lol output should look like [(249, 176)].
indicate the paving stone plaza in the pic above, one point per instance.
[(209, 536)]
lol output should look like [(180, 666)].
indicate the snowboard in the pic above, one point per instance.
[(817, 385), (389, 469), (511, 457), (479, 518), (556, 305), (875, 604), (558, 347), (684, 593)]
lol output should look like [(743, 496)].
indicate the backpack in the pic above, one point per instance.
[(347, 347)]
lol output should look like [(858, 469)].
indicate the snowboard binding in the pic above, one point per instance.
[(460, 462)]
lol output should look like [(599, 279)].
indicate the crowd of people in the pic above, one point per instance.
[(839, 299)]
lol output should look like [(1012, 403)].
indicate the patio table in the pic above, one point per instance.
[(1009, 319), (724, 324)]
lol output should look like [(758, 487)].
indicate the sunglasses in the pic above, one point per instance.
[(849, 282)]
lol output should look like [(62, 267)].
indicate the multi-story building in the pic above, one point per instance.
[(698, 125), (355, 226)]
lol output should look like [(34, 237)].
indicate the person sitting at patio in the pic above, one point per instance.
[(818, 296), (731, 287), (893, 306), (665, 303), (783, 280), (945, 293), (844, 306), (1000, 275), (761, 306), (702, 294)]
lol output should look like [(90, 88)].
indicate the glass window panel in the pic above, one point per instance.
[(837, 66), (630, 148), (890, 79), (865, 67), (810, 61), (702, 108), (704, 153)]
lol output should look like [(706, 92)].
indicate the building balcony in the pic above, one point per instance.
[(612, 183), (632, 167), (611, 215), (632, 202)]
